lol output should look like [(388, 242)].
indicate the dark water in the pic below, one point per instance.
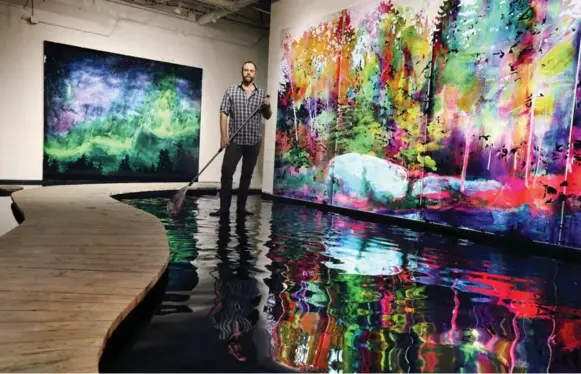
[(294, 288)]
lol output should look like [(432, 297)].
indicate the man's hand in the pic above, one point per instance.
[(224, 142), (266, 110)]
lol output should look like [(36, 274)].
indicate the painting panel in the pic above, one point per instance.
[(383, 108), (116, 118), (503, 76), (458, 113), (307, 109)]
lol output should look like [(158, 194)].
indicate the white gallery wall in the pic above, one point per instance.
[(219, 49)]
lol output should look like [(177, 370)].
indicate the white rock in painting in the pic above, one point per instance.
[(434, 184), (353, 171)]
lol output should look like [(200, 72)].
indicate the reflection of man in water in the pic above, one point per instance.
[(237, 295)]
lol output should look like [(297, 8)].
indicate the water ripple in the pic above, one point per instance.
[(339, 295)]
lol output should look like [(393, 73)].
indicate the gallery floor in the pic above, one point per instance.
[(69, 274), (288, 289)]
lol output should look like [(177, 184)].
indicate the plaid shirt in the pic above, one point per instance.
[(239, 106)]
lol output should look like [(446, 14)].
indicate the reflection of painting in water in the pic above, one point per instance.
[(183, 275), (237, 296), (455, 111), (351, 296), (345, 295)]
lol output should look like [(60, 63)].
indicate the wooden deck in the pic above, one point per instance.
[(72, 271)]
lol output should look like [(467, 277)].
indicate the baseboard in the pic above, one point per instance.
[(514, 244), (111, 181), (35, 182), (169, 193), (21, 182)]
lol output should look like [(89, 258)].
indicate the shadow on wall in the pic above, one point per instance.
[(465, 119)]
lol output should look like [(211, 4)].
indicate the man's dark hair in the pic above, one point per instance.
[(249, 62)]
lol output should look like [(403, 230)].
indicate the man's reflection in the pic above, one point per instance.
[(235, 311)]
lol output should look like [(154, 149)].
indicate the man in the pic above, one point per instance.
[(238, 103)]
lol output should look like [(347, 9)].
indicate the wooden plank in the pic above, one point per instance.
[(34, 348), (97, 233), (62, 297), (76, 278), (80, 264), (67, 284), (70, 273), (33, 328), (65, 287), (59, 360), (20, 336), (72, 248), (55, 316), (88, 254), (48, 306), (84, 250)]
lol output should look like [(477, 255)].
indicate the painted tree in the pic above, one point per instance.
[(460, 58), (383, 83), (288, 67), (324, 46), (463, 47), (310, 65), (414, 50), (442, 155), (125, 165), (360, 125)]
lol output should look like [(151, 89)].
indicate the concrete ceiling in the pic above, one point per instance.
[(250, 13)]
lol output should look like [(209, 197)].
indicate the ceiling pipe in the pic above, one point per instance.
[(235, 7), (223, 4), (261, 10)]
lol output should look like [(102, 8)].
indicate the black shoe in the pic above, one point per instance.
[(244, 212), (218, 213)]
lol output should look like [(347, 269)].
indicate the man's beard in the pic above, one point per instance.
[(248, 79)]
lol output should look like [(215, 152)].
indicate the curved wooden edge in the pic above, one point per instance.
[(73, 270)]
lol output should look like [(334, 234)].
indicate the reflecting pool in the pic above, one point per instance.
[(292, 288)]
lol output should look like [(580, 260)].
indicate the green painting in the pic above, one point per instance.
[(115, 118)]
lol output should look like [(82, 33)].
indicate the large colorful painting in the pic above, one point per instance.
[(460, 112), (110, 117)]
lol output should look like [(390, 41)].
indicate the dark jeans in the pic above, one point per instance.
[(232, 155)]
